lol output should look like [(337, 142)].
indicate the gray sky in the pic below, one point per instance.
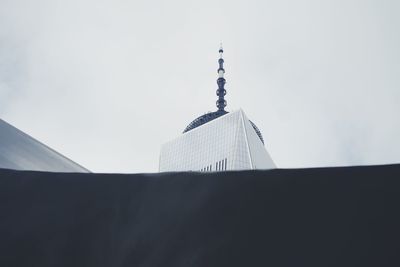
[(107, 82)]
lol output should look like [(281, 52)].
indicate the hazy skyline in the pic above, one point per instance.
[(105, 83)]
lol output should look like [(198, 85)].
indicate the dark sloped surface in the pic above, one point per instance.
[(307, 217), (19, 151)]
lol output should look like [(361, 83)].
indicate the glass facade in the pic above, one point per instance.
[(226, 143)]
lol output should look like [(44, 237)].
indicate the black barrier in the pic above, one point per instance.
[(301, 217)]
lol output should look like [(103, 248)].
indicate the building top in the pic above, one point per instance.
[(204, 119), (221, 102)]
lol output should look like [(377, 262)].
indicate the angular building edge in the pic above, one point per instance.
[(259, 156), (21, 151)]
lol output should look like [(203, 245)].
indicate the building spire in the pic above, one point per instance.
[(221, 92)]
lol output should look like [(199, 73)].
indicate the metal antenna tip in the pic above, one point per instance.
[(221, 50)]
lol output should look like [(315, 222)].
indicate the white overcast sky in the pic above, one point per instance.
[(107, 82)]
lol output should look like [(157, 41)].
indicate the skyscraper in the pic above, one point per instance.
[(217, 141)]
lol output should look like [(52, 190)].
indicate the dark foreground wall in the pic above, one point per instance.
[(307, 217)]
